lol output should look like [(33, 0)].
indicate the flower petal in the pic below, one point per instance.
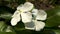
[(29, 26), (39, 25), (26, 7), (16, 13), (35, 12), (16, 18), (29, 6), (42, 15), (19, 7), (26, 17)]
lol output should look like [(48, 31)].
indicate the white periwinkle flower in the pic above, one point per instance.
[(32, 20), (38, 17), (22, 12)]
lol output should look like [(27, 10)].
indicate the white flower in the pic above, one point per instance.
[(22, 12), (35, 24), (26, 7), (31, 19)]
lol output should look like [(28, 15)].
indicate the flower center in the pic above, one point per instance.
[(20, 11)]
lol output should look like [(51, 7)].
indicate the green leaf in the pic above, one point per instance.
[(4, 28), (6, 16), (57, 31), (5, 13), (6, 33), (45, 31), (53, 17), (48, 31)]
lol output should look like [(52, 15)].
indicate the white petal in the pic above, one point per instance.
[(19, 7), (39, 25), (26, 7), (16, 18), (29, 26), (26, 17), (35, 12), (42, 15), (16, 13)]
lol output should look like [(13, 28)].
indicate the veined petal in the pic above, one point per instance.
[(27, 7), (26, 17), (16, 18), (39, 25), (35, 12), (30, 26), (42, 15)]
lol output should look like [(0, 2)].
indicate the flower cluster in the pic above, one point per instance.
[(31, 17)]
